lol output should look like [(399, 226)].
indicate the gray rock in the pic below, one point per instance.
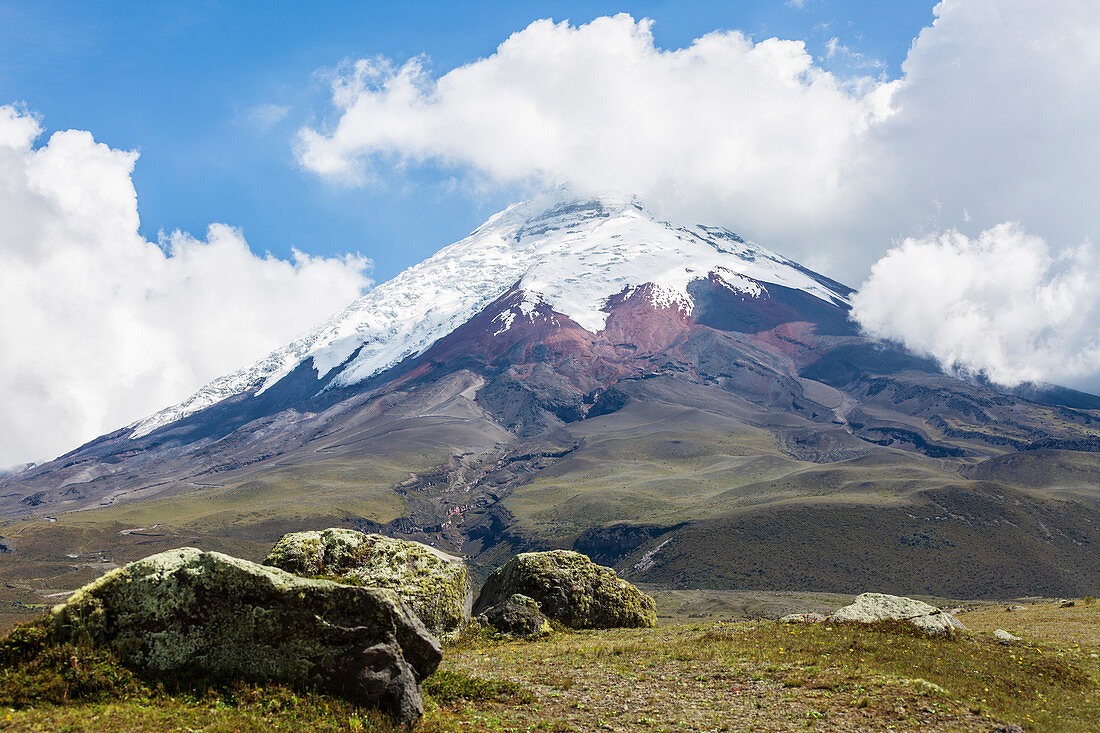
[(802, 618), (435, 585), (1009, 728), (191, 613), (871, 607), (1005, 637), (570, 589), (518, 616)]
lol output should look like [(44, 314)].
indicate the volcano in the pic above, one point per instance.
[(672, 399)]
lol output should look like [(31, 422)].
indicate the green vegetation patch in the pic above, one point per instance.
[(35, 669), (447, 687), (1042, 686)]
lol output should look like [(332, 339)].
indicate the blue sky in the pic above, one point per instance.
[(186, 84)]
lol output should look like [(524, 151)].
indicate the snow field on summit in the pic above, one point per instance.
[(568, 254)]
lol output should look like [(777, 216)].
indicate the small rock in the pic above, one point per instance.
[(1013, 609), (570, 589), (1004, 637), (872, 607), (191, 613), (1010, 728), (518, 616), (802, 618), (434, 584)]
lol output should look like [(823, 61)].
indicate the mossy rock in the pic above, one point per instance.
[(435, 585), (518, 616), (570, 589), (188, 613)]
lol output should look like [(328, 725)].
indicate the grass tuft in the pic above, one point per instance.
[(34, 669), (447, 687)]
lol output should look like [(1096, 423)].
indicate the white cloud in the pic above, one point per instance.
[(101, 327), (752, 128), (994, 119), (1002, 303)]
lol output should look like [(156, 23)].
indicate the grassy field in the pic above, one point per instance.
[(713, 676)]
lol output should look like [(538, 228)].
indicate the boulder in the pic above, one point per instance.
[(802, 618), (518, 616), (570, 589), (188, 613), (1005, 637), (434, 584), (871, 607)]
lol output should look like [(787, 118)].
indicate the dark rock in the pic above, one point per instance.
[(517, 616), (38, 498), (570, 589), (188, 613)]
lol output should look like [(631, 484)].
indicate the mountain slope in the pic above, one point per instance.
[(569, 256), (578, 373)]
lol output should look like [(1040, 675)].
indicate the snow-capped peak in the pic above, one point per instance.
[(568, 254)]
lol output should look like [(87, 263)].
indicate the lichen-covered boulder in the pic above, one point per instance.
[(435, 585), (570, 589), (204, 614), (871, 607), (518, 616)]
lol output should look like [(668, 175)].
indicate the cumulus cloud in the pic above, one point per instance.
[(753, 128), (993, 120), (1002, 303), (996, 120), (101, 327)]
